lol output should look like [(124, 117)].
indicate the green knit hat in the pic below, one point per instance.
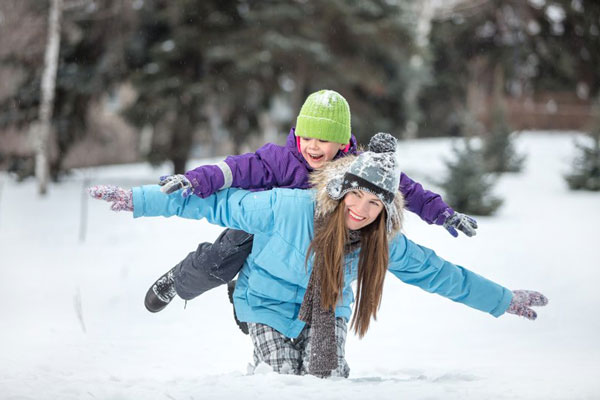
[(325, 115)]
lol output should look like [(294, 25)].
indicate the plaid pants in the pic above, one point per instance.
[(291, 356)]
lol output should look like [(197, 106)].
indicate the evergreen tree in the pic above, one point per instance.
[(364, 49), (541, 46), (90, 65), (215, 65), (498, 145), (586, 166), (467, 185)]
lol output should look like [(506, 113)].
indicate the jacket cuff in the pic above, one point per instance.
[(227, 174), (443, 216), (208, 179), (138, 201), (507, 296)]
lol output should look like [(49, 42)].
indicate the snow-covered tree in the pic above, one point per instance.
[(585, 174), (89, 65), (541, 46), (498, 144), (468, 185), (206, 65)]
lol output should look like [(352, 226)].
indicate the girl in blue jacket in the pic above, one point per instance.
[(294, 290), (322, 133)]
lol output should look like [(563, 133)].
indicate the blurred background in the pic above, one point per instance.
[(88, 82), (495, 104)]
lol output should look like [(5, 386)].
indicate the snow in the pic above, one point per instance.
[(555, 13), (74, 326), (326, 98)]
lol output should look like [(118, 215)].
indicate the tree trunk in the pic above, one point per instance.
[(215, 124), (47, 94), (298, 91), (181, 141)]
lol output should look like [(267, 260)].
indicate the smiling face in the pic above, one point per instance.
[(361, 208), (317, 152)]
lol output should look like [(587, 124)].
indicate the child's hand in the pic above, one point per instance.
[(462, 222), (173, 183), (121, 199), (522, 300)]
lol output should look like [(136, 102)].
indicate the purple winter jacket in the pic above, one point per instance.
[(285, 167)]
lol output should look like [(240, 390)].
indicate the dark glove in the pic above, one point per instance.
[(522, 300), (173, 183), (462, 222), (121, 199)]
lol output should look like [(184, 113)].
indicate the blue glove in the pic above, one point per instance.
[(173, 183), (462, 222)]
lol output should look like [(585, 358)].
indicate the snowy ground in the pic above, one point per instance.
[(73, 325)]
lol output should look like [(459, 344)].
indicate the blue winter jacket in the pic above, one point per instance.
[(272, 282)]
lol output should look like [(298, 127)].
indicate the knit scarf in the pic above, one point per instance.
[(323, 356)]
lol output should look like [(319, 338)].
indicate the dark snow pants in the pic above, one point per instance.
[(212, 264)]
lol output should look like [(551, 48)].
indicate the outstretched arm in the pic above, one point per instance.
[(420, 266), (270, 166), (432, 209), (232, 208)]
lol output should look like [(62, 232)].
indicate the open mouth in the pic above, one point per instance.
[(355, 217), (315, 157)]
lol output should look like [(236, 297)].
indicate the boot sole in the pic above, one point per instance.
[(149, 305)]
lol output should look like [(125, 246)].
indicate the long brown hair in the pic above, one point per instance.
[(329, 247)]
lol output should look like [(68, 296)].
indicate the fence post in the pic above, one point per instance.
[(2, 178), (84, 210)]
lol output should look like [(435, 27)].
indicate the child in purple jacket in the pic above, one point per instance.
[(322, 134)]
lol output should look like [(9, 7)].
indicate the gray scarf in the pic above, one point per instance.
[(323, 356)]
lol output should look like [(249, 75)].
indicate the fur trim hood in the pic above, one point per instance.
[(326, 182)]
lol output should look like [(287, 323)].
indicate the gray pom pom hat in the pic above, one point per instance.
[(375, 171)]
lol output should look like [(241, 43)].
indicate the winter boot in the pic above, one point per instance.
[(242, 325), (160, 293)]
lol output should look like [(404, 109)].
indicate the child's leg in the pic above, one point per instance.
[(209, 266), (341, 330), (275, 349), (212, 264)]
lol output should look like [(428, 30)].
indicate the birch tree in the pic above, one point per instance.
[(47, 95)]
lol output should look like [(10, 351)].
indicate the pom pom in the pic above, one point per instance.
[(383, 143)]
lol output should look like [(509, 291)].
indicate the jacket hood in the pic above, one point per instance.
[(321, 181)]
